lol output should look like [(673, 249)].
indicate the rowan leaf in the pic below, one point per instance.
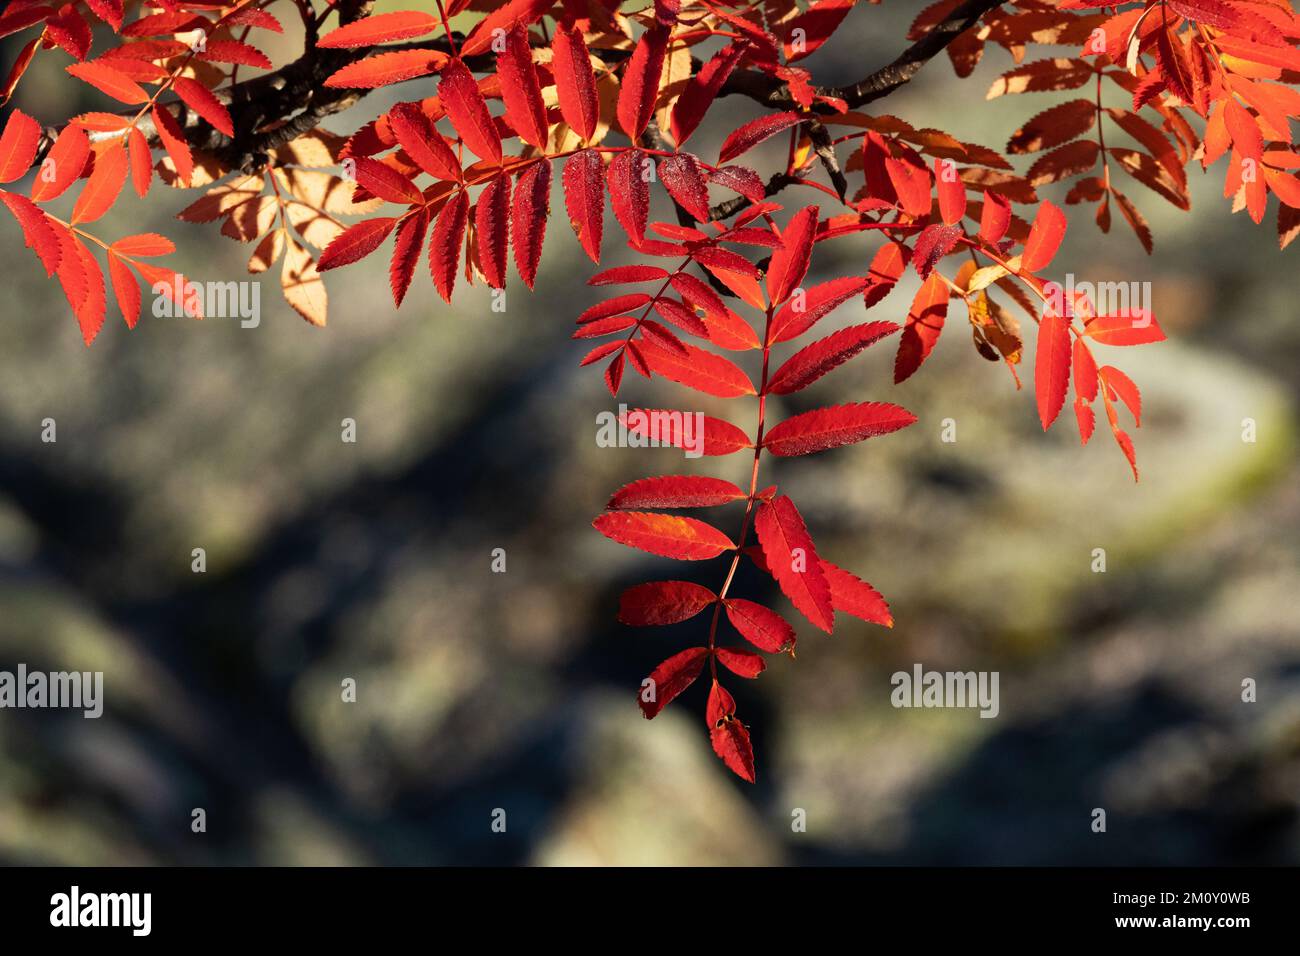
[(800, 314), (200, 99), (660, 603), (698, 369), (445, 243), (1052, 366), (792, 559), (851, 595), (104, 184), (521, 90), (669, 679), (460, 96), (406, 253), (356, 242), (761, 626), (629, 191), (575, 82), (640, 87), (824, 428), (1044, 239), (749, 135), (18, 145), (670, 536), (584, 199), (61, 167), (924, 325), (492, 229), (380, 28), (675, 491), (684, 179), (813, 361), (532, 206), (383, 69), (701, 90)]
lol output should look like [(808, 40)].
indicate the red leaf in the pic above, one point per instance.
[(792, 559), (103, 186), (584, 199), (660, 603), (742, 180), (852, 595), (141, 161), (934, 242), (422, 142), (887, 267), (951, 190), (698, 369), (1085, 372), (790, 262), (629, 191), (1044, 237), (233, 51), (109, 81), (173, 140), (701, 90), (670, 536), (532, 205), (720, 437), (625, 274), (521, 90), (640, 88), (761, 626), (144, 244), (754, 132), (824, 428), (1052, 366), (200, 99), (492, 227), (813, 361), (924, 325), (38, 233), (1138, 328), (684, 180), (731, 742), (355, 243), (671, 678), (125, 289), (675, 491), (911, 181), (444, 244), (818, 302), (385, 68), (406, 253), (387, 183), (1086, 418), (94, 307), (575, 83), (60, 168), (18, 145), (504, 18), (460, 96), (995, 217), (1124, 389), (741, 663), (381, 28)]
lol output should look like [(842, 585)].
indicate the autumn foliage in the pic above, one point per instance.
[(598, 101)]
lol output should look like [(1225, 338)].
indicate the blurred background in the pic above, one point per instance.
[(477, 690)]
